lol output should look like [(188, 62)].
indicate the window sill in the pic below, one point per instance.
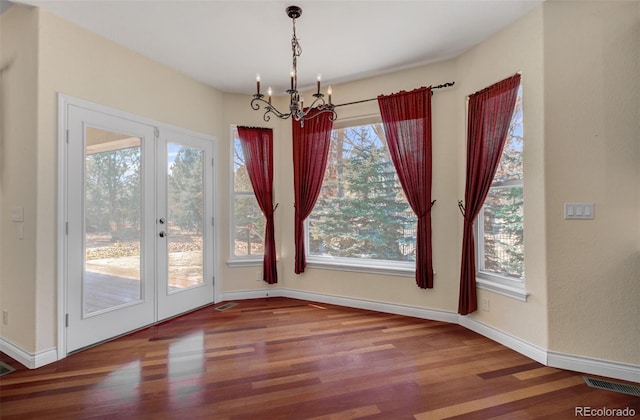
[(245, 262), (366, 266), (513, 292)]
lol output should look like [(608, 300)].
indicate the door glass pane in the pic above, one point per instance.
[(112, 204), (185, 199)]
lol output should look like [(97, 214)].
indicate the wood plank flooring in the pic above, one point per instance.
[(280, 358)]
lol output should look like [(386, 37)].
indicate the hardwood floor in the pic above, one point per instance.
[(280, 358)]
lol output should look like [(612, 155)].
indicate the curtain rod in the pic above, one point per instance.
[(504, 78), (443, 85)]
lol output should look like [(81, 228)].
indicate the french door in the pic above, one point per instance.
[(139, 235)]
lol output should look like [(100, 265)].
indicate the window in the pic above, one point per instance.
[(500, 223), (248, 222), (362, 214)]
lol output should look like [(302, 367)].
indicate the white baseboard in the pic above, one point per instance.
[(30, 360), (371, 305), (593, 366), (514, 343), (249, 294), (581, 364)]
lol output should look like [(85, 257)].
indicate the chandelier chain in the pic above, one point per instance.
[(295, 45)]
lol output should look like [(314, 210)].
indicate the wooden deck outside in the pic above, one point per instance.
[(112, 282)]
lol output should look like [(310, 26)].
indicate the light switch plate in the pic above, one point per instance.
[(17, 214), (578, 211)]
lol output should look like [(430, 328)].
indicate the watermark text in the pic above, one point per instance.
[(604, 412)]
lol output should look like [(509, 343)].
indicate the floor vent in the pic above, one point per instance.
[(5, 368), (613, 386), (226, 306)]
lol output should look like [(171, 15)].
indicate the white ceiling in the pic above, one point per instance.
[(224, 43)]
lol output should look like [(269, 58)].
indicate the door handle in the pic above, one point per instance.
[(162, 234)]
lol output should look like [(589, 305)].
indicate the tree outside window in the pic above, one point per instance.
[(362, 212), (248, 221), (500, 225)]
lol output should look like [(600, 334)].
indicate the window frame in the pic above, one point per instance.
[(487, 280), (507, 286), (237, 260), (360, 265)]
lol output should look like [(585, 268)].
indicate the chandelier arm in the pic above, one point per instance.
[(269, 108), (254, 102), (277, 113), (318, 102), (321, 110)]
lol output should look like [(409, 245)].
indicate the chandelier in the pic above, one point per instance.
[(297, 109)]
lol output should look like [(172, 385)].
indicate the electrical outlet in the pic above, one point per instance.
[(259, 275), (484, 304), (5, 317)]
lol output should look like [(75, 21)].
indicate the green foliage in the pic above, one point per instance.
[(504, 232), (503, 216), (248, 218), (362, 211), (112, 192), (185, 184), (113, 185)]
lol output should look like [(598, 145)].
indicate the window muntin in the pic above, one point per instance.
[(247, 227), (361, 213), (500, 224)]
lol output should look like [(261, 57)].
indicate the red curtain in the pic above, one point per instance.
[(490, 113), (407, 127), (257, 147), (310, 150)]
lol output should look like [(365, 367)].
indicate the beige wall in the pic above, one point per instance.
[(563, 279), (18, 172), (592, 154)]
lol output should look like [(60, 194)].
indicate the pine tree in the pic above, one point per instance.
[(249, 219), (362, 211), (112, 192), (185, 185), (503, 216)]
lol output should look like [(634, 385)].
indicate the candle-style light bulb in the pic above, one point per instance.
[(319, 78), (329, 93), (293, 74), (258, 83), (269, 91)]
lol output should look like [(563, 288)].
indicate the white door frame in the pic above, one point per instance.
[(64, 101)]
